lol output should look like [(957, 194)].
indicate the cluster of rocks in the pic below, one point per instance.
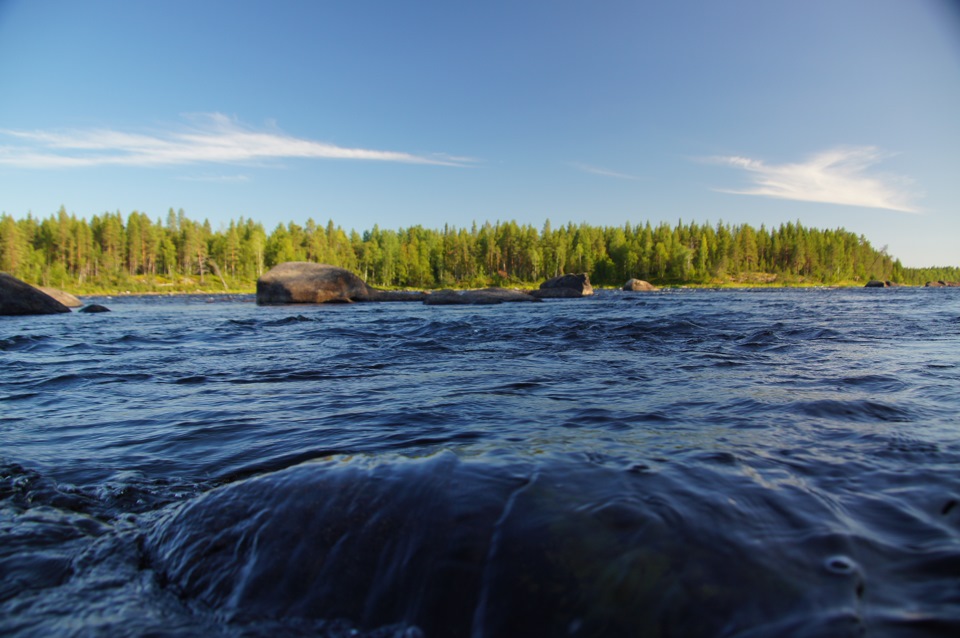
[(876, 283), (20, 298), (304, 282)]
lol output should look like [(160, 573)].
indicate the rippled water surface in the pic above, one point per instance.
[(687, 463)]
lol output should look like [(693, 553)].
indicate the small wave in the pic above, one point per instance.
[(906, 446), (875, 382), (761, 339), (858, 410), (242, 323), (812, 334), (19, 397), (24, 342), (286, 321)]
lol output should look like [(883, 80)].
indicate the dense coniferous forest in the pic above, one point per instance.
[(113, 252)]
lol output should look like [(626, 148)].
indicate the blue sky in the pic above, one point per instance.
[(835, 113)]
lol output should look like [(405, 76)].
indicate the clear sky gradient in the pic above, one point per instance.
[(831, 112)]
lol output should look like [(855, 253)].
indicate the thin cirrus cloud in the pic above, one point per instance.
[(597, 170), (838, 176), (211, 138)]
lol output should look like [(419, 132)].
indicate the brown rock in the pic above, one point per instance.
[(305, 282), (639, 285), (20, 298)]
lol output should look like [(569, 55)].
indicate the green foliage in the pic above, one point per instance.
[(111, 253)]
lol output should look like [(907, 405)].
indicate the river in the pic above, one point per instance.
[(690, 463)]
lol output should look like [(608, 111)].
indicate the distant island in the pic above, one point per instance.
[(110, 253)]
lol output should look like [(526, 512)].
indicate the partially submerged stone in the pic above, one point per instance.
[(397, 295), (485, 296), (638, 285), (94, 307), (20, 298), (305, 282), (565, 287), (556, 293)]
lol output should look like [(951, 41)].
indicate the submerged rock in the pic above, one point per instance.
[(465, 548), (94, 307), (397, 295), (485, 296), (20, 298), (556, 293), (305, 282), (565, 287), (942, 284), (68, 300), (638, 285)]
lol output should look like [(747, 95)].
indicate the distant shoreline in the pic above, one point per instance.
[(665, 287)]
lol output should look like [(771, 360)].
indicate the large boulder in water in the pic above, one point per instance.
[(20, 298), (638, 285), (565, 287), (305, 282)]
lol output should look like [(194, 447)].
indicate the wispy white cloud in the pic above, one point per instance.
[(208, 138), (215, 178), (597, 170), (838, 176)]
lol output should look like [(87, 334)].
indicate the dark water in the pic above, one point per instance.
[(693, 463)]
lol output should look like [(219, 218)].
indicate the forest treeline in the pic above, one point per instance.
[(133, 252)]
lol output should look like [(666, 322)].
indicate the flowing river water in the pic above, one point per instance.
[(690, 463)]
